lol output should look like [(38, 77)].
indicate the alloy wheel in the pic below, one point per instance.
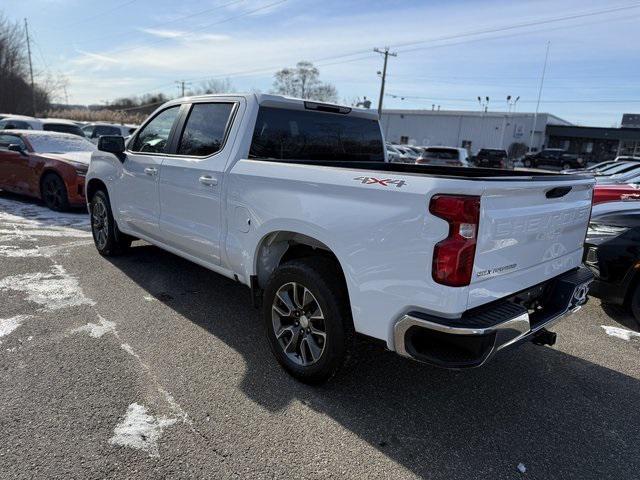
[(298, 323), (100, 223)]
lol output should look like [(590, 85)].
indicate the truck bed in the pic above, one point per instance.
[(473, 173)]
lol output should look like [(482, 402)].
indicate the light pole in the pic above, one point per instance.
[(484, 107), (511, 102)]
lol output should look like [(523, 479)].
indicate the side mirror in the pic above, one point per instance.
[(112, 144), (14, 147)]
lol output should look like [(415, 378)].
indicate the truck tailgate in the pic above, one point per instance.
[(528, 233)]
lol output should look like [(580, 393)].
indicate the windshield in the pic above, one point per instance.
[(283, 134), (59, 144), (63, 128), (600, 165)]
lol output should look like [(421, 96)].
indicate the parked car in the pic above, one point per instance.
[(615, 198), (50, 166), (492, 158), (332, 240), (555, 158), (95, 130), (47, 124), (444, 156), (612, 252), (408, 152), (396, 155), (618, 173)]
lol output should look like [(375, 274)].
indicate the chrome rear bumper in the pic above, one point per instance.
[(472, 339)]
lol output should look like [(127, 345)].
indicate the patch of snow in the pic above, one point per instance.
[(127, 348), (8, 325), (54, 290), (621, 333), (16, 251), (149, 298), (140, 430), (522, 468), (96, 330)]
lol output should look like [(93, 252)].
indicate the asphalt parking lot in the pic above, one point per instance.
[(148, 366)]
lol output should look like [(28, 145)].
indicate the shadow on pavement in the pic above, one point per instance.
[(622, 316), (561, 416)]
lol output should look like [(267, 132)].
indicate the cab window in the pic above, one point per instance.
[(154, 136), (205, 129)]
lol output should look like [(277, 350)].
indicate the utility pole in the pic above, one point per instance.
[(33, 89), (181, 84), (386, 54), (535, 115)]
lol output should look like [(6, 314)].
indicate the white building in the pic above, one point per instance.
[(473, 130)]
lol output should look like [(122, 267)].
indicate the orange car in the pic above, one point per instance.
[(50, 166)]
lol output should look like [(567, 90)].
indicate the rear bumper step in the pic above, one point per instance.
[(478, 334)]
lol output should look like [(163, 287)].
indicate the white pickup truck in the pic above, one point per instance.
[(295, 200)]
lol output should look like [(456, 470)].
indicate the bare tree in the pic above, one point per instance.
[(303, 82), (214, 86), (15, 89)]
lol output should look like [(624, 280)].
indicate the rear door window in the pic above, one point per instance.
[(205, 129), (284, 134), (154, 137)]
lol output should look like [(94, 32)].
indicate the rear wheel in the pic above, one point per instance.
[(54, 192), (566, 166), (308, 319), (527, 163), (634, 305), (108, 239)]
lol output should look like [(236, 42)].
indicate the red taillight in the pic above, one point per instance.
[(453, 257), (615, 194)]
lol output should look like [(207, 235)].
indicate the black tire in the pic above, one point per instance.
[(54, 192), (108, 239), (323, 279), (634, 305), (566, 166), (527, 163)]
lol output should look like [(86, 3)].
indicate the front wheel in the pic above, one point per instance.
[(108, 239), (54, 192), (308, 319), (566, 166), (634, 305), (527, 163)]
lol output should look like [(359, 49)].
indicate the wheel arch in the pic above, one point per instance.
[(278, 247), (93, 186)]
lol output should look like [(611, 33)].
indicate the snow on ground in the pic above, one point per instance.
[(22, 220), (8, 325), (139, 430), (621, 333), (96, 330), (53, 290)]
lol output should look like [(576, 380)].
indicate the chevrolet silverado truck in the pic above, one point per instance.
[(295, 199)]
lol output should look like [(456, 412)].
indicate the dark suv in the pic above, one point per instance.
[(555, 158), (492, 158)]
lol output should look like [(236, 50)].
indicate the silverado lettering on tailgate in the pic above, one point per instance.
[(546, 226)]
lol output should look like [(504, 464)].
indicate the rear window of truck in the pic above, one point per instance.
[(283, 134)]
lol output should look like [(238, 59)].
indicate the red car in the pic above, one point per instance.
[(50, 166)]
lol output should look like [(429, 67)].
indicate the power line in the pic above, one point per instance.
[(119, 6), (386, 53), (33, 88), (162, 24), (183, 34), (468, 100)]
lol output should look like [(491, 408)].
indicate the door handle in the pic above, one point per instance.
[(150, 171), (208, 180)]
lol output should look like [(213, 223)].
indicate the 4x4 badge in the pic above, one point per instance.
[(380, 181)]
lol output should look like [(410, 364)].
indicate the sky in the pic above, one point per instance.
[(448, 52)]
